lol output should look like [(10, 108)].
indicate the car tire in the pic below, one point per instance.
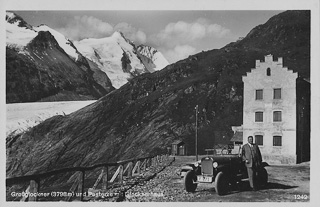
[(189, 180), (221, 184), (263, 177)]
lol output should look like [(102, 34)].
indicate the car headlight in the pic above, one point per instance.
[(215, 164)]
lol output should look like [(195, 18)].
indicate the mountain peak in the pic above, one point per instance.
[(13, 18), (44, 39), (118, 34)]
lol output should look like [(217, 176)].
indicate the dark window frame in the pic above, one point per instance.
[(277, 95), (258, 139), (277, 141), (277, 116), (268, 72), (259, 96), (258, 116)]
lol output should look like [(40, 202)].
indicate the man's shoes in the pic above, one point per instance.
[(253, 189)]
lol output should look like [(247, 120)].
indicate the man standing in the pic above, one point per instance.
[(252, 157)]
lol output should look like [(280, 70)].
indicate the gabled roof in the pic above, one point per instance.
[(237, 137), (177, 142)]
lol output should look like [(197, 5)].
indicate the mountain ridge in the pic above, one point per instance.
[(19, 36)]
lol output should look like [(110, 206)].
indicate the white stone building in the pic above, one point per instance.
[(276, 112)]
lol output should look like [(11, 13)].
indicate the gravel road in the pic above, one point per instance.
[(286, 183)]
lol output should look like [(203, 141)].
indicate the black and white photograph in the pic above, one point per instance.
[(160, 101)]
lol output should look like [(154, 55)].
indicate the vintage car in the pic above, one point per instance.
[(224, 170)]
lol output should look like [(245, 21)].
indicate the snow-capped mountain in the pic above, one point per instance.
[(112, 60), (19, 33), (63, 42), (43, 65), (114, 55), (119, 58), (152, 58)]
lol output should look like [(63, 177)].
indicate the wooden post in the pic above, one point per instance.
[(24, 198), (34, 188), (121, 174), (149, 163), (81, 184), (105, 178), (98, 180), (73, 187), (130, 170), (136, 168), (144, 165), (115, 175)]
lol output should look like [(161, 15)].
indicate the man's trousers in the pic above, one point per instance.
[(252, 174)]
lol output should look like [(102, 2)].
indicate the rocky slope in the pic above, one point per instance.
[(145, 115)]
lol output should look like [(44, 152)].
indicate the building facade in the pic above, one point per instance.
[(178, 148), (271, 112)]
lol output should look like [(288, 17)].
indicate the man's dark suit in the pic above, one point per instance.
[(253, 160)]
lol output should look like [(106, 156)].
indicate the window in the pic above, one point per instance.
[(277, 141), (259, 116), (259, 94), (268, 72), (258, 139), (277, 93), (277, 116)]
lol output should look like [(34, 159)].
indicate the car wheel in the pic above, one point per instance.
[(263, 177), (221, 184), (189, 180)]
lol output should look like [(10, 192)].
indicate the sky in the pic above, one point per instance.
[(175, 33)]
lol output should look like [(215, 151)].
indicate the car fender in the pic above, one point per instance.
[(185, 169), (264, 164), (222, 168)]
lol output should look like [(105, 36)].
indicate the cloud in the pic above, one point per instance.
[(178, 52), (86, 26), (81, 27), (180, 33), (131, 32), (180, 39)]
